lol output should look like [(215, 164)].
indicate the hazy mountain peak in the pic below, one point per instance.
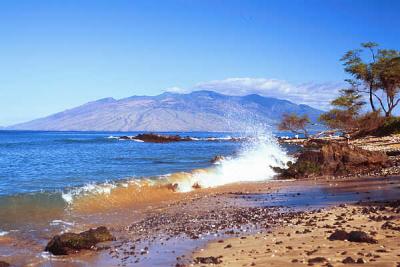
[(202, 110)]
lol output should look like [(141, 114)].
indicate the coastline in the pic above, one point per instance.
[(166, 232), (163, 227)]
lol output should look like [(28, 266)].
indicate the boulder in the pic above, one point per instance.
[(360, 237), (68, 243), (338, 235), (353, 236), (334, 159)]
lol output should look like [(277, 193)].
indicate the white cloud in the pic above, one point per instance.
[(317, 95), (176, 89)]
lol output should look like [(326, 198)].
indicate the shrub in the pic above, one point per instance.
[(390, 126)]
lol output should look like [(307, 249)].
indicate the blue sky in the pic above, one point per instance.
[(60, 54)]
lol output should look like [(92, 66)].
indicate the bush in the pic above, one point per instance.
[(390, 126)]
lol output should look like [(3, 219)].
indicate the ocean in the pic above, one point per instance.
[(49, 181)]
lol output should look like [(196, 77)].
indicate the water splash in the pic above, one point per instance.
[(253, 163)]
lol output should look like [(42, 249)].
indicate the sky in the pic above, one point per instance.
[(56, 55)]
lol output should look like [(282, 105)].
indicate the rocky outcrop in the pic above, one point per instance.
[(156, 138), (4, 264), (68, 243), (333, 159)]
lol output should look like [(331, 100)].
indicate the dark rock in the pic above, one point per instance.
[(196, 186), (353, 236), (158, 138), (334, 159), (390, 226), (338, 235), (317, 260), (208, 260), (172, 186), (360, 237), (348, 260), (360, 261), (217, 159), (71, 242), (4, 264)]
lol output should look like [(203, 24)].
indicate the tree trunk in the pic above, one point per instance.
[(371, 100)]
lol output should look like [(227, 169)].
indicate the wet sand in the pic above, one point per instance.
[(166, 232)]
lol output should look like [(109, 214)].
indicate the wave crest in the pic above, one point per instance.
[(252, 163)]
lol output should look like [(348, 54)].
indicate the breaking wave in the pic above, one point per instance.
[(252, 163)]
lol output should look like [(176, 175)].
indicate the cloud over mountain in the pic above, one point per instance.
[(314, 94)]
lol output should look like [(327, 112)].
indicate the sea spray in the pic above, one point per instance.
[(252, 163)]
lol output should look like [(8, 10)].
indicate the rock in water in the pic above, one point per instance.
[(71, 242), (217, 158), (158, 138)]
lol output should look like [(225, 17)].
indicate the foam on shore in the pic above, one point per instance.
[(252, 163)]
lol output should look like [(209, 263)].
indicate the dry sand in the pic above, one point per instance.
[(305, 240)]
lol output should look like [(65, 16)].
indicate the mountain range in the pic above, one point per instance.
[(195, 111)]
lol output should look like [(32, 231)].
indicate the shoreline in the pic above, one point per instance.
[(166, 233), (164, 227)]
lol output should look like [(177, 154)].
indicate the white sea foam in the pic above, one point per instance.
[(60, 222), (91, 188), (3, 233), (253, 163)]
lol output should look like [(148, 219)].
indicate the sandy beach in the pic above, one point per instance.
[(304, 240), (264, 223)]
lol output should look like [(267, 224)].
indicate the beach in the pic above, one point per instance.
[(257, 221)]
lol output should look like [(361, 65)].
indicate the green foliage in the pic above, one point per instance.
[(378, 72), (347, 108), (390, 126)]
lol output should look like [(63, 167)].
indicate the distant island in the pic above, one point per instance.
[(196, 111)]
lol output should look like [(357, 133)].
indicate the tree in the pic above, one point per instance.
[(295, 124), (361, 70), (388, 69), (377, 75), (346, 112), (347, 116)]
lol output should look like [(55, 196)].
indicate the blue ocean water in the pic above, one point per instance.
[(54, 161)]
